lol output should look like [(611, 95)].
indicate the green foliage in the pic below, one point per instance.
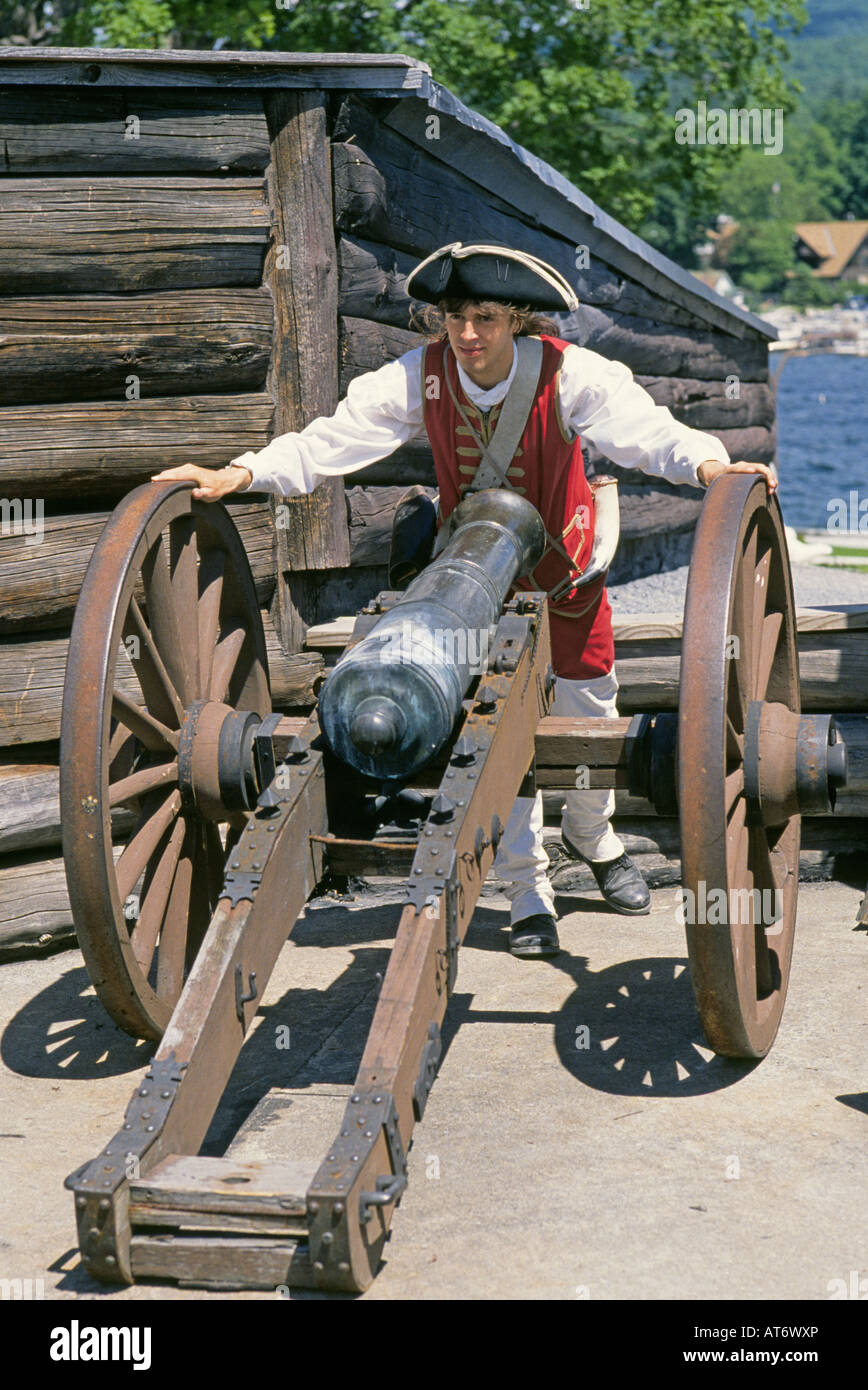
[(592, 86), (803, 290), (761, 255)]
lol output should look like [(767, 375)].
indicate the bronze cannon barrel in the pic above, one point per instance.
[(392, 700)]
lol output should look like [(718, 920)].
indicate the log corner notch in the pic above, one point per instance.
[(301, 271)]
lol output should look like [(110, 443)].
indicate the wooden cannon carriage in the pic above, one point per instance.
[(239, 813)]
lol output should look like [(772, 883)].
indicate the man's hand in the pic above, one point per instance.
[(211, 483), (708, 471)]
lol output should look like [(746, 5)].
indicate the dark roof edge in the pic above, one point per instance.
[(191, 56), (440, 99)]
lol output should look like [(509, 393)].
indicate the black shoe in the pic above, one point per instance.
[(535, 936), (619, 881)]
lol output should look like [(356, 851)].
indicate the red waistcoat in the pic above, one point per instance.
[(549, 470)]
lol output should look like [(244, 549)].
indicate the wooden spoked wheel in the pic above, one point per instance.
[(167, 640), (738, 650)]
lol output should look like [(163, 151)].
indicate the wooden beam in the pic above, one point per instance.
[(41, 582), (66, 131), (90, 347), (32, 675), (633, 626), (128, 235), (103, 448), (301, 270)]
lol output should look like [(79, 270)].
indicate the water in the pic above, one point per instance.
[(822, 435)]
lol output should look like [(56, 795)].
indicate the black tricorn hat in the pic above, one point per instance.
[(489, 271)]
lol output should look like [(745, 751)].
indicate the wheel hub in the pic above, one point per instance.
[(793, 764), (217, 768)]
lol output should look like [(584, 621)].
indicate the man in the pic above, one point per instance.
[(498, 360)]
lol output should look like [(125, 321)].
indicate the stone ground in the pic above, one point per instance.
[(642, 1167)]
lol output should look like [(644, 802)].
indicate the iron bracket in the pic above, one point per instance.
[(428, 1065)]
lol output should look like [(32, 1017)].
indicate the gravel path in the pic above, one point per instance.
[(664, 593)]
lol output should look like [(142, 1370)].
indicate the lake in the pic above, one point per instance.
[(822, 434)]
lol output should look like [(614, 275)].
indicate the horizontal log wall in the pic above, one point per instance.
[(105, 448), (129, 235), (135, 334), (40, 582), (32, 671), (81, 347), (50, 131)]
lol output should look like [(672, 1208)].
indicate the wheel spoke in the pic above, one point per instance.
[(173, 939), (208, 875), (164, 622), (144, 841), (736, 705), (771, 632), (736, 841), (160, 694), (183, 572), (759, 599), (226, 655), (734, 742), (211, 568), (733, 787), (150, 731), (156, 897), (148, 779), (764, 878)]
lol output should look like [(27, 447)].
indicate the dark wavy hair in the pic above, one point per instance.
[(431, 319)]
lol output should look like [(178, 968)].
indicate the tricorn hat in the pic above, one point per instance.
[(495, 272)]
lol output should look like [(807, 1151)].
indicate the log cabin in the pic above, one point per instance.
[(199, 251)]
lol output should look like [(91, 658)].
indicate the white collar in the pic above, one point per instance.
[(482, 398)]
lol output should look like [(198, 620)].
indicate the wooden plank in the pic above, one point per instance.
[(712, 405), (87, 347), (231, 1262), (104, 448), (301, 269), (30, 809), (183, 1189), (32, 673), (654, 349), (130, 234), (35, 914), (60, 131), (41, 582), (833, 668), (412, 463)]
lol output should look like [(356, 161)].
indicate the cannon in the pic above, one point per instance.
[(239, 815)]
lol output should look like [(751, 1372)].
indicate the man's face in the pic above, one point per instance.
[(481, 336)]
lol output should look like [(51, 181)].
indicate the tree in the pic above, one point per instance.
[(591, 86)]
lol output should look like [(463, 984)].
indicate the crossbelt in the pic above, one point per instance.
[(516, 408)]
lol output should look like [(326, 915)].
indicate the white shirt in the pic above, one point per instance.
[(382, 410)]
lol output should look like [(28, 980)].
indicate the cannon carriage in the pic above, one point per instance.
[(240, 813)]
